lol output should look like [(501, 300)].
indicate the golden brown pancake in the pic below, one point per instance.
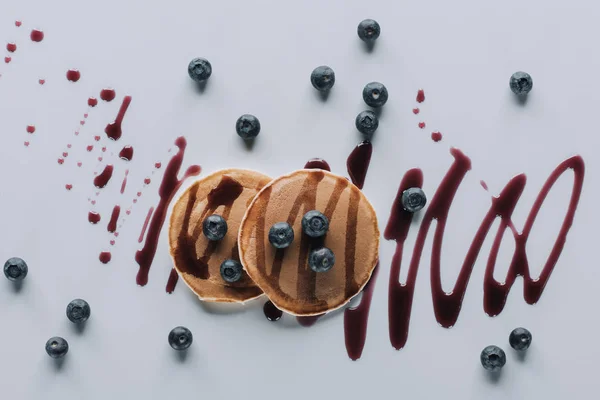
[(284, 275), (198, 260)]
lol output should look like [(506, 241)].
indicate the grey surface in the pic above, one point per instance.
[(262, 52)]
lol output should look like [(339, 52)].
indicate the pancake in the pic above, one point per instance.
[(198, 260), (284, 275)]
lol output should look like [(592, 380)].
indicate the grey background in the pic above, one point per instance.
[(461, 52)]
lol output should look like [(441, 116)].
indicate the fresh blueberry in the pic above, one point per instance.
[(413, 199), (315, 224), (247, 126), (199, 69), (321, 260), (214, 227), (367, 122), (520, 339), (493, 358), (78, 311), (322, 78), (231, 271), (368, 30), (375, 94), (180, 338), (281, 235), (521, 83), (57, 347), (15, 269)]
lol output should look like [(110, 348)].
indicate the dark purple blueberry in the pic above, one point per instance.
[(413, 199), (247, 126), (321, 259), (199, 69), (78, 311), (322, 78), (281, 235), (231, 271), (15, 269), (57, 347), (367, 122), (521, 83), (375, 94), (520, 339), (315, 224), (214, 227), (493, 358), (180, 338), (368, 30)]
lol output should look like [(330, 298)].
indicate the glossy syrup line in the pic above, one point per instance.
[(447, 305), (168, 187)]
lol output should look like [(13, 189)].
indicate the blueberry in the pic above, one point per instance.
[(247, 126), (493, 358), (180, 338), (15, 269), (321, 260), (367, 122), (322, 78), (199, 69), (281, 235), (57, 347), (521, 83), (214, 227), (368, 30), (231, 271), (315, 224), (413, 199), (375, 94), (78, 311), (520, 339)]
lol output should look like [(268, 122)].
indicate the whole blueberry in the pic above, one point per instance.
[(493, 358), (57, 347), (78, 311), (321, 259), (413, 199), (247, 126), (231, 271), (368, 30), (315, 224), (199, 69), (520, 339), (367, 122), (180, 338), (375, 94), (322, 78), (214, 227), (15, 269), (521, 83), (281, 235)]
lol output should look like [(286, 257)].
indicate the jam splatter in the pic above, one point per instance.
[(124, 183), (105, 257), (421, 125), (30, 129), (126, 153), (92, 102), (317, 163), (416, 111), (143, 232), (436, 136), (113, 130), (11, 47), (102, 180), (114, 217), (172, 281), (93, 217), (420, 96), (358, 163)]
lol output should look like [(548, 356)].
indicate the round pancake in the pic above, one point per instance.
[(198, 260), (284, 275)]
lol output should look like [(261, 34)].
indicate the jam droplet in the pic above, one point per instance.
[(92, 102), (11, 47), (421, 125), (73, 75), (30, 129), (108, 94), (41, 81), (105, 257), (37, 35), (18, 23), (420, 96), (436, 136), (7, 59), (416, 111)]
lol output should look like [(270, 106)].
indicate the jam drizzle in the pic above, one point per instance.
[(168, 187)]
